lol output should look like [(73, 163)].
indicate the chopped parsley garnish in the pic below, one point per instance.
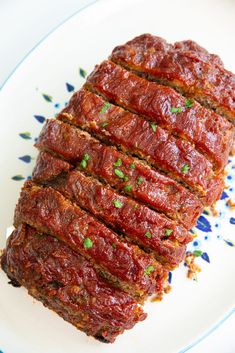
[(185, 169), (197, 253), (119, 173), (126, 178), (118, 162), (154, 127), (136, 206), (114, 245), (189, 103), (104, 124), (117, 203), (83, 163), (39, 235), (140, 180), (148, 235), (168, 232), (104, 108), (148, 270), (132, 165), (87, 243), (128, 188), (176, 110)]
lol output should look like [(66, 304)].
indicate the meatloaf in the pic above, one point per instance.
[(67, 283), (123, 172), (196, 74)]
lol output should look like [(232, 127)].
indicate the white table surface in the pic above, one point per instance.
[(23, 23)]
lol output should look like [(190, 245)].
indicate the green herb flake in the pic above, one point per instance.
[(185, 168), (197, 253), (114, 245), (148, 270), (87, 243), (126, 178), (189, 103), (132, 165), (168, 232), (140, 181), (117, 203), (104, 108), (118, 163), (86, 157), (154, 127), (105, 124), (84, 160), (39, 235), (119, 173), (136, 206), (148, 235), (128, 188), (83, 164), (176, 110)]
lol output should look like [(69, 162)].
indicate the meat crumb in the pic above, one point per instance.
[(231, 204), (193, 269), (159, 297)]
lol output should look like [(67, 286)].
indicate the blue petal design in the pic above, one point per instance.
[(25, 135), (232, 220), (40, 118), (29, 177), (69, 87), (17, 177), (203, 224), (169, 277), (205, 257), (229, 242), (82, 72), (47, 97), (26, 158), (224, 196)]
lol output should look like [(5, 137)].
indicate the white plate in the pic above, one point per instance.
[(192, 308)]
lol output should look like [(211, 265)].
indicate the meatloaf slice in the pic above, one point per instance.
[(141, 225), (48, 167), (67, 283), (148, 186), (122, 263), (210, 133), (136, 135), (194, 75)]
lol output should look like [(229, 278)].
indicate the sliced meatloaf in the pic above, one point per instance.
[(73, 144), (68, 284), (148, 186), (210, 133), (122, 263), (141, 225), (194, 74)]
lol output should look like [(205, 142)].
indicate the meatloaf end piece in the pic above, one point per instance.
[(66, 283), (205, 80)]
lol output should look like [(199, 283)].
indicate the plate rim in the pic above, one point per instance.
[(229, 313)]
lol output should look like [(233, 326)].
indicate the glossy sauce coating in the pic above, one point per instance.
[(136, 221), (210, 133), (48, 211), (195, 74), (67, 283), (159, 191)]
